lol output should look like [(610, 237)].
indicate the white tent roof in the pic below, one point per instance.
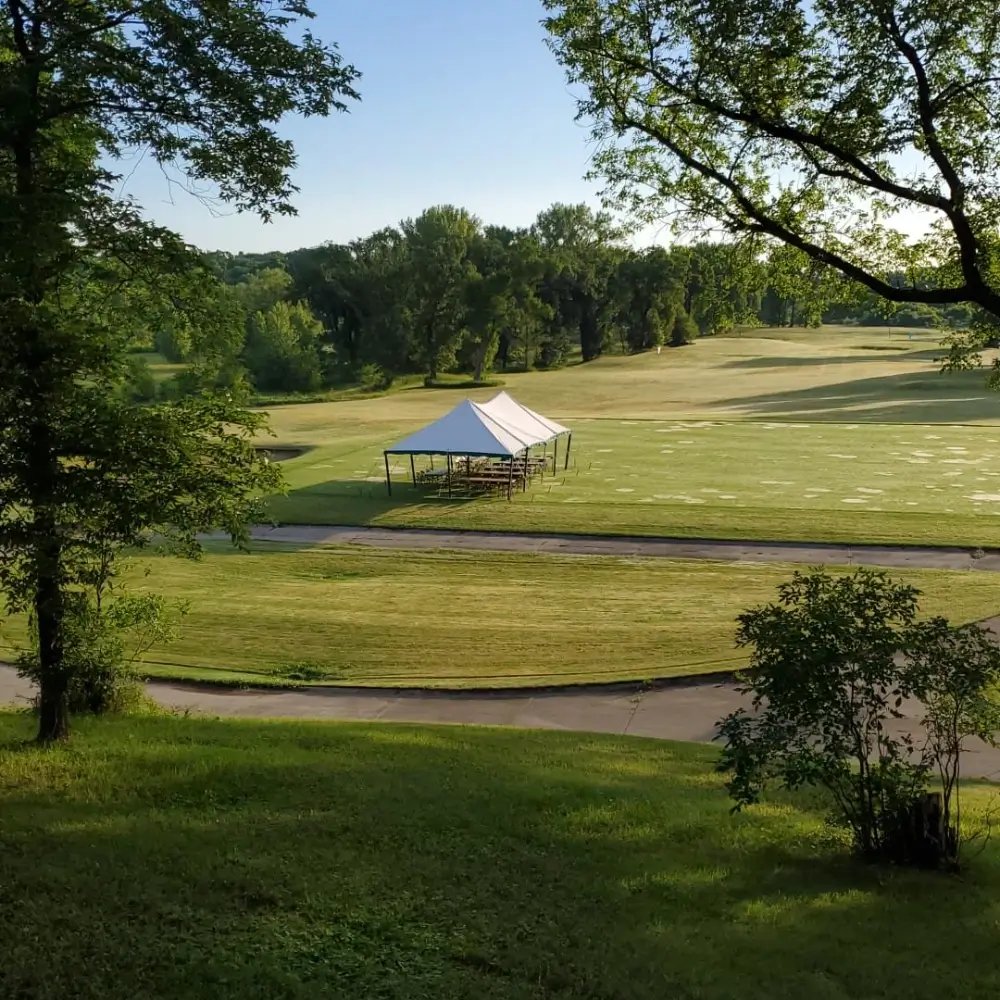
[(466, 430), (527, 423)]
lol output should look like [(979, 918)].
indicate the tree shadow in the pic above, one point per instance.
[(252, 860), (959, 397), (351, 502), (811, 361)]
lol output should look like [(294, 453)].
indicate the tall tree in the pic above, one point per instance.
[(440, 242), (649, 294), (807, 123), (580, 247), (198, 85), (282, 348)]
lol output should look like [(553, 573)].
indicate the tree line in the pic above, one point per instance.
[(444, 293)]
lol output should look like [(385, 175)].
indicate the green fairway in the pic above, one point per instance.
[(181, 858), (453, 619), (862, 445)]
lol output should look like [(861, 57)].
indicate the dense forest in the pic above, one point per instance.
[(443, 293)]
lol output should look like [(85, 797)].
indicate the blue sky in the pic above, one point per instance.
[(462, 103)]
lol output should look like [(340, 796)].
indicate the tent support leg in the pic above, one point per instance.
[(510, 479), (413, 471), (449, 475), (555, 456), (569, 444), (524, 473), (388, 477), (545, 458)]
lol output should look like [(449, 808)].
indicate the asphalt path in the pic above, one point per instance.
[(813, 554), (675, 712), (679, 711)]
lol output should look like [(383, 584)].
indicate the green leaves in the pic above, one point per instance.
[(810, 124), (832, 663)]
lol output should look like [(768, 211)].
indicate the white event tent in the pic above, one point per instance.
[(500, 428)]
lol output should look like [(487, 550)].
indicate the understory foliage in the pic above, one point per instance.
[(834, 663), (102, 645)]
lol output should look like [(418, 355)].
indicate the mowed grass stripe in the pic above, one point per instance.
[(460, 619)]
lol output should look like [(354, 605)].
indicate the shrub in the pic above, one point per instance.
[(833, 662), (101, 648), (373, 378), (684, 330), (141, 386)]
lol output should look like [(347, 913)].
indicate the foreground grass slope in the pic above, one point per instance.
[(462, 619), (829, 437), (169, 857)]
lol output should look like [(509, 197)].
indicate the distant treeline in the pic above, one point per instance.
[(443, 293)]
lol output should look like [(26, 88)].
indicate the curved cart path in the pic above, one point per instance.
[(679, 712), (814, 554)]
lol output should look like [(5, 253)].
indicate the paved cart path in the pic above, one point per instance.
[(682, 711), (679, 712), (813, 554)]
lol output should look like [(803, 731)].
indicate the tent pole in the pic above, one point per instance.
[(569, 444), (545, 458), (413, 471), (510, 479), (555, 455), (388, 478), (524, 473), (449, 475)]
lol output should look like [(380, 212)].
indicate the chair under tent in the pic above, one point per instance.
[(498, 436)]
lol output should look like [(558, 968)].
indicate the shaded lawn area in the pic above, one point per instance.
[(472, 619), (916, 484), (170, 857)]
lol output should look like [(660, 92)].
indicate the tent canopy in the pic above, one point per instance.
[(527, 423), (466, 430), (498, 428)]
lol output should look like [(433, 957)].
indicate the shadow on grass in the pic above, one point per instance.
[(892, 354), (201, 859), (960, 397), (354, 503)]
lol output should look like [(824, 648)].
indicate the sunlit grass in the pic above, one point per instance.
[(818, 438), (454, 619)]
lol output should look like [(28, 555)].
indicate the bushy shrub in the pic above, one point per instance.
[(141, 386), (684, 330), (101, 645), (832, 663), (374, 378)]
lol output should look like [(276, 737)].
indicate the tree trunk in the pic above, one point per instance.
[(38, 389), (53, 722), (478, 362)]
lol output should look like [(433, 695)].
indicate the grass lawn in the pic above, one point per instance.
[(473, 619), (180, 858), (825, 438)]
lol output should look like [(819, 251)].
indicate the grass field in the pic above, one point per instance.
[(820, 438), (451, 619), (175, 858)]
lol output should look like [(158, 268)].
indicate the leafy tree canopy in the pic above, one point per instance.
[(815, 123)]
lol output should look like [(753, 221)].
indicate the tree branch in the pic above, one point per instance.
[(954, 205), (766, 225)]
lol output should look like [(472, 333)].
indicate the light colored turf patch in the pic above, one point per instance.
[(762, 386)]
